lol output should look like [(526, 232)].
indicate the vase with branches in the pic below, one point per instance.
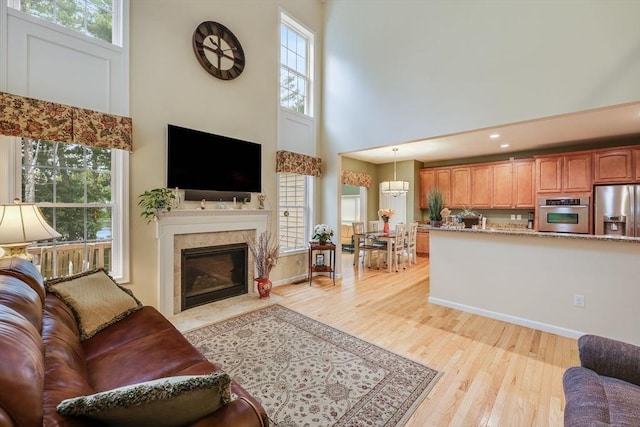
[(265, 250)]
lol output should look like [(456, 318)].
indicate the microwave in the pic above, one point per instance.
[(564, 214)]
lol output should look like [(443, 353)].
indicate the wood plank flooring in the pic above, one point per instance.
[(495, 373)]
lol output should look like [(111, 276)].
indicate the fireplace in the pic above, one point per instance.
[(213, 273)]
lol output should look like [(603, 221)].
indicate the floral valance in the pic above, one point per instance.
[(359, 179), (287, 161), (34, 118)]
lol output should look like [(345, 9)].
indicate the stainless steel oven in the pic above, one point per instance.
[(564, 214)]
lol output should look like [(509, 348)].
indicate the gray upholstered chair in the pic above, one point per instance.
[(605, 389)]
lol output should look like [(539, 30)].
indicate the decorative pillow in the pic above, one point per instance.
[(167, 402), (95, 299)]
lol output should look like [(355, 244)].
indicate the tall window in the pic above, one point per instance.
[(72, 184), (91, 17), (293, 211), (296, 51)]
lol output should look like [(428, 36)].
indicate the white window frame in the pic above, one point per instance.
[(307, 209), (305, 33)]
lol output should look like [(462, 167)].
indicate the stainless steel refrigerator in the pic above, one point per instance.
[(617, 210)]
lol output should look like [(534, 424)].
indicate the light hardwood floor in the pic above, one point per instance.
[(495, 373)]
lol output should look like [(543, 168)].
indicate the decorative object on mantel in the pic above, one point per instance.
[(435, 201), (386, 214), (265, 253), (155, 201), (261, 198), (394, 188), (322, 233)]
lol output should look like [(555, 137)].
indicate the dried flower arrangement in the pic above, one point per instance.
[(265, 253)]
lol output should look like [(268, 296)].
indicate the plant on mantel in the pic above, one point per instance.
[(155, 201)]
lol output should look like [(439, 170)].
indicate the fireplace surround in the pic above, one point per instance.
[(185, 229)]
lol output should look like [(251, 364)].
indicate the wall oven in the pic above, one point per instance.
[(564, 214)]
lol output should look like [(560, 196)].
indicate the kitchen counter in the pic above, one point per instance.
[(545, 235)]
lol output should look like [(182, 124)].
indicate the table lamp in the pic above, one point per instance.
[(21, 224)]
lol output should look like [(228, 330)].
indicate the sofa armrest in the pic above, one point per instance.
[(610, 358), (586, 400)]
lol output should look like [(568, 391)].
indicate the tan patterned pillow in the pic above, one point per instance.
[(95, 299), (166, 402)]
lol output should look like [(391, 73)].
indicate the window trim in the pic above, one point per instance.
[(308, 209)]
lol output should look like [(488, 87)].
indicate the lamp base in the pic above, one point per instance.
[(16, 251)]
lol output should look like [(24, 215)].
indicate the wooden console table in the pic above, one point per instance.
[(328, 265)]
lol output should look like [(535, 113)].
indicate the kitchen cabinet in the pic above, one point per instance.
[(613, 165), (523, 184), (422, 243), (427, 182), (443, 181), (460, 187), (481, 186), (636, 158), (549, 174), (576, 173), (502, 186)]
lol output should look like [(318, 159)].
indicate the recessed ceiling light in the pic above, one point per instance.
[(504, 145), (494, 136)]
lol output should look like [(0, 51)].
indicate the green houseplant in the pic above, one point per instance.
[(435, 201), (155, 201)]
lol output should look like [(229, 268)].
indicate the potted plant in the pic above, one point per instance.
[(265, 251), (155, 201), (322, 233), (469, 217), (435, 201)]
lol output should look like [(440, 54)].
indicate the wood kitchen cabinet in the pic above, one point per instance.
[(636, 158), (422, 243), (481, 186), (443, 181), (460, 187), (523, 184), (576, 173), (427, 182), (613, 166), (549, 174), (502, 186)]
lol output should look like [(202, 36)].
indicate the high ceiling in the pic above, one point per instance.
[(551, 132)]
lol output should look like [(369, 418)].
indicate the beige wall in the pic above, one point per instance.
[(168, 85)]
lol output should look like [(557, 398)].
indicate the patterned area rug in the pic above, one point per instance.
[(306, 373)]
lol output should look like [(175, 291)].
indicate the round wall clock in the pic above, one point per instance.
[(218, 50)]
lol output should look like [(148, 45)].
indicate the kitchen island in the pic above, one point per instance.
[(568, 284)]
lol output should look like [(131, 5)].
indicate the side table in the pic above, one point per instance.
[(327, 265)]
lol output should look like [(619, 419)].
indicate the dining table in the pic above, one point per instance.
[(375, 235)]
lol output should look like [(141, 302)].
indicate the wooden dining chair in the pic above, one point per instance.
[(412, 237), (399, 246), (365, 246)]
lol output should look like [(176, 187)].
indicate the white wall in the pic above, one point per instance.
[(168, 85), (402, 70), (532, 281)]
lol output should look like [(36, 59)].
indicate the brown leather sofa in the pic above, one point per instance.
[(43, 361)]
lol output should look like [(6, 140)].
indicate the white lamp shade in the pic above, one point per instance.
[(23, 223), (395, 186)]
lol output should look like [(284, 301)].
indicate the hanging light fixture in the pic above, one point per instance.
[(394, 188)]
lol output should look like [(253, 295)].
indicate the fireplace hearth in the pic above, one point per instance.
[(213, 273)]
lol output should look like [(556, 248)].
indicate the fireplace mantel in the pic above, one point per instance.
[(185, 221)]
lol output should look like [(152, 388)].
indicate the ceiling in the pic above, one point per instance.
[(540, 134)]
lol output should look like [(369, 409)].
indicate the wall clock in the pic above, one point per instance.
[(218, 50)]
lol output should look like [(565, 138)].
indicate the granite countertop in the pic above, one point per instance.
[(532, 233)]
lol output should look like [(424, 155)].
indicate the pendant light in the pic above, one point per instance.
[(394, 188)]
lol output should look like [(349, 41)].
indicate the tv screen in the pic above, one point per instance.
[(203, 161)]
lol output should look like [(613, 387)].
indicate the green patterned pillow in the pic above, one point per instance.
[(95, 299), (166, 402)]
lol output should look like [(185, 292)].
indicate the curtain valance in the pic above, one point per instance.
[(359, 179), (287, 161), (34, 118)]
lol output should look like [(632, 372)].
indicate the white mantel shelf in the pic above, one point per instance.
[(191, 221)]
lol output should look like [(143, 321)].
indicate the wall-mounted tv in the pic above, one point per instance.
[(204, 164)]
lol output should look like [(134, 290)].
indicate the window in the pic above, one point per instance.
[(296, 51), (72, 184), (91, 17), (293, 211)]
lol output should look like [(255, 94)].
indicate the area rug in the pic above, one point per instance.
[(306, 373)]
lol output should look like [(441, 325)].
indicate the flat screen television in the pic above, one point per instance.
[(207, 162)]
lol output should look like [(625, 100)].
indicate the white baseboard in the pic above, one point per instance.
[(545, 327)]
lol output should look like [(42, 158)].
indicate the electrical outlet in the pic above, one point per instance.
[(519, 217), (578, 300), (513, 217)]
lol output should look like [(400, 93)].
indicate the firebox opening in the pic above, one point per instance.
[(213, 273)]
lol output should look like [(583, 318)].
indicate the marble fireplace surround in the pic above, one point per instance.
[(186, 229)]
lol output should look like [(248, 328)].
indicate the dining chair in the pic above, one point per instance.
[(412, 237), (365, 247), (399, 246)]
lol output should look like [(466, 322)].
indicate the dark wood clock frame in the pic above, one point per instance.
[(218, 39)]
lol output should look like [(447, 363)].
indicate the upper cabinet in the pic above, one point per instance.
[(523, 183), (636, 158), (566, 173), (436, 177), (502, 186), (460, 186), (481, 178), (614, 165)]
